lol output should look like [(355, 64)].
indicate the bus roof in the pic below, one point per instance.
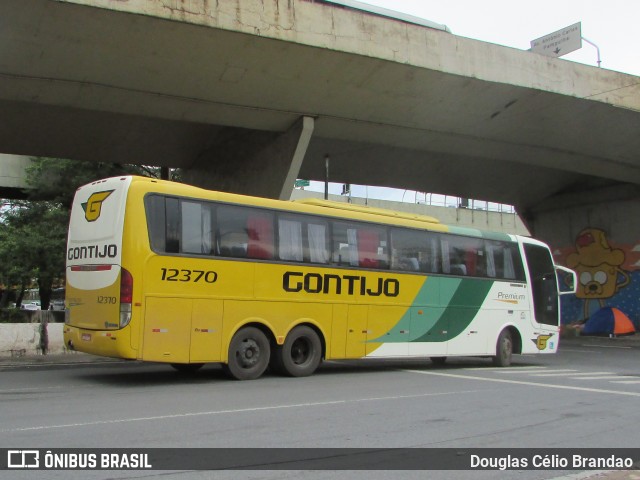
[(367, 209), (321, 207)]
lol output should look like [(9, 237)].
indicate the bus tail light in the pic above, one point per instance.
[(126, 296)]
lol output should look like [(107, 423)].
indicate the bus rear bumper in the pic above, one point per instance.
[(105, 343)]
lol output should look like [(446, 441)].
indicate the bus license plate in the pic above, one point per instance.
[(86, 337)]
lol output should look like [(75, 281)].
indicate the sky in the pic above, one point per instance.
[(611, 25)]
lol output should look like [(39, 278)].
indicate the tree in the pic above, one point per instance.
[(32, 246)]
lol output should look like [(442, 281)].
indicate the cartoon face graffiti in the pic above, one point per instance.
[(597, 265)]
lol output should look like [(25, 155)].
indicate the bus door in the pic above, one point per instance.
[(544, 287)]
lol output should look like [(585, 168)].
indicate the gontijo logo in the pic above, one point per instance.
[(93, 206), (541, 341)]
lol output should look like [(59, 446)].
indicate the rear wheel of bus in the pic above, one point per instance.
[(249, 353), (300, 354)]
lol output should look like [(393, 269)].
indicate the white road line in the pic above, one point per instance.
[(605, 346), (31, 389), (523, 372), (571, 373), (520, 382), (561, 371), (507, 369), (628, 382), (232, 411), (601, 377)]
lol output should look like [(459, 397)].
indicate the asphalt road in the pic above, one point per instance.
[(585, 396)]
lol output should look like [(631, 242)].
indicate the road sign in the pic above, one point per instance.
[(559, 43), (302, 183)]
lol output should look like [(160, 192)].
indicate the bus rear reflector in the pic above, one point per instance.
[(90, 268)]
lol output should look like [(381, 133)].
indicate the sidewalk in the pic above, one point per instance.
[(69, 358), (628, 341)]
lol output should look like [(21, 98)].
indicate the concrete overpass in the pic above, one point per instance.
[(13, 171), (248, 94)]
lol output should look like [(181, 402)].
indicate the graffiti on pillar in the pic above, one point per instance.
[(608, 276), (598, 267)]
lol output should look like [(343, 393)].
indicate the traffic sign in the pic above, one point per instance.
[(302, 183), (559, 43)]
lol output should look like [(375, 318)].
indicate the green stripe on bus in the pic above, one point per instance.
[(458, 302), (460, 312)]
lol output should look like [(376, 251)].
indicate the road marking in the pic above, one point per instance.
[(605, 346), (521, 382), (628, 382), (508, 369), (30, 389), (570, 373), (601, 377), (560, 371), (233, 411)]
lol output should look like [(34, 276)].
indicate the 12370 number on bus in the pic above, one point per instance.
[(185, 275)]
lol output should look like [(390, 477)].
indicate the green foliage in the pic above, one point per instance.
[(32, 245), (56, 180)]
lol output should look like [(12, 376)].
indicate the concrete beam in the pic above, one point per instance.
[(13, 173), (253, 162)]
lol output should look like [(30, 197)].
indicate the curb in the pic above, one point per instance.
[(631, 341), (68, 358)]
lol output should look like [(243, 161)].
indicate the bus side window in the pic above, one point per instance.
[(360, 246), (156, 222), (290, 246), (414, 251), (196, 228), (245, 232), (172, 225), (232, 232), (302, 239), (260, 232), (463, 255)]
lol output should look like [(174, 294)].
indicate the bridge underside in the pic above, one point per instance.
[(96, 84)]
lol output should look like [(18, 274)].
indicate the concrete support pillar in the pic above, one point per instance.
[(253, 162)]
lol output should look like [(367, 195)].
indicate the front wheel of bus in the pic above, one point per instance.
[(301, 353), (504, 349), (249, 353)]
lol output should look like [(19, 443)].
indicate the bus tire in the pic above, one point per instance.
[(438, 360), (249, 353), (300, 354), (187, 367), (504, 349)]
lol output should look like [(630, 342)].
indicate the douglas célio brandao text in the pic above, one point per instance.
[(548, 461)]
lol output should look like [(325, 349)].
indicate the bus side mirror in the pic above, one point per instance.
[(567, 280)]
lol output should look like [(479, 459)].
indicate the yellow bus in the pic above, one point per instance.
[(165, 272)]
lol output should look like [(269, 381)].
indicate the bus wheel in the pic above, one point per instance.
[(438, 360), (301, 353), (504, 349), (249, 353), (187, 367)]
